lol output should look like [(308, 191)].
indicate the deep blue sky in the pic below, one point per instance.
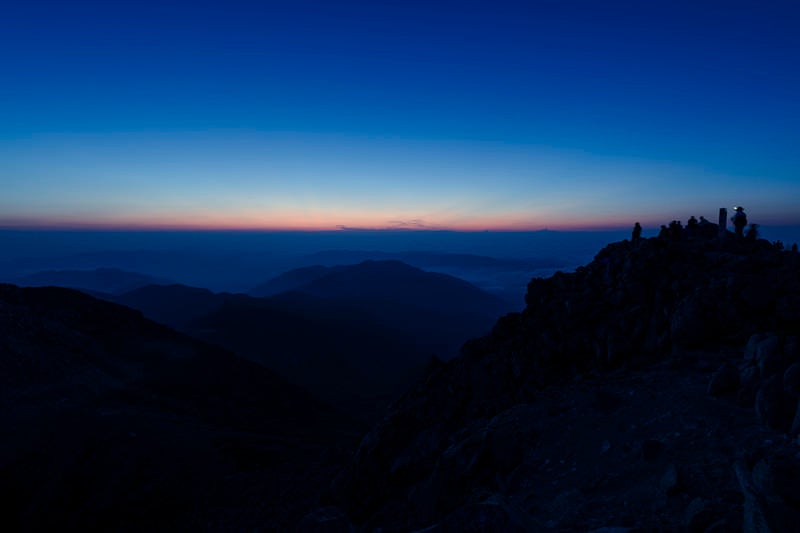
[(462, 115)]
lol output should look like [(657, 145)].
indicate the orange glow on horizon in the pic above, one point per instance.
[(508, 223), (328, 220)]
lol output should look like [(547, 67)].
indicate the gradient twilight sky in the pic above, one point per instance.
[(398, 114)]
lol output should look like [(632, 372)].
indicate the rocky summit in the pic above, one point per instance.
[(654, 389)]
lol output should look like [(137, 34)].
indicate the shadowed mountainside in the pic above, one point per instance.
[(355, 335), (334, 349), (291, 280), (652, 389), (110, 421), (339, 352), (174, 305)]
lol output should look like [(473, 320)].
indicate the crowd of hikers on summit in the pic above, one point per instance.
[(703, 229), (694, 229)]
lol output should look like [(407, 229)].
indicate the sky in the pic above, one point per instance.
[(327, 115)]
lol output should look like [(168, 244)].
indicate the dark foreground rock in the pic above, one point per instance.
[(623, 397), (110, 422)]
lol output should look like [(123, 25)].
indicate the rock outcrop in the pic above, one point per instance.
[(619, 398)]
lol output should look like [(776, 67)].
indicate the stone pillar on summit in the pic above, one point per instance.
[(723, 222)]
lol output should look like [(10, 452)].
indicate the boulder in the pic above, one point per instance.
[(770, 489), (749, 374), (699, 515), (791, 380), (769, 357), (669, 484), (752, 344), (772, 406), (791, 386)]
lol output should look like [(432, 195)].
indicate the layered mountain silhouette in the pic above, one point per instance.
[(292, 280), (355, 335), (654, 389), (224, 269), (100, 280), (504, 278), (430, 260), (111, 421), (334, 349), (376, 281)]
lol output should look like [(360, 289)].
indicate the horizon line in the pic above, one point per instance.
[(339, 228)]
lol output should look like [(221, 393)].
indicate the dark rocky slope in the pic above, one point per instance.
[(654, 389), (109, 421), (356, 336)]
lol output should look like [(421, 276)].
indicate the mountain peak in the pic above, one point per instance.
[(391, 281), (669, 336)]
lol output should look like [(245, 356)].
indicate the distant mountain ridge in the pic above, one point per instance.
[(102, 280), (428, 259), (392, 281), (291, 280), (356, 335), (502, 276)]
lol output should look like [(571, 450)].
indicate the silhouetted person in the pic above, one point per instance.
[(752, 233), (691, 228), (663, 234), (706, 229), (637, 233), (675, 230), (739, 220)]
